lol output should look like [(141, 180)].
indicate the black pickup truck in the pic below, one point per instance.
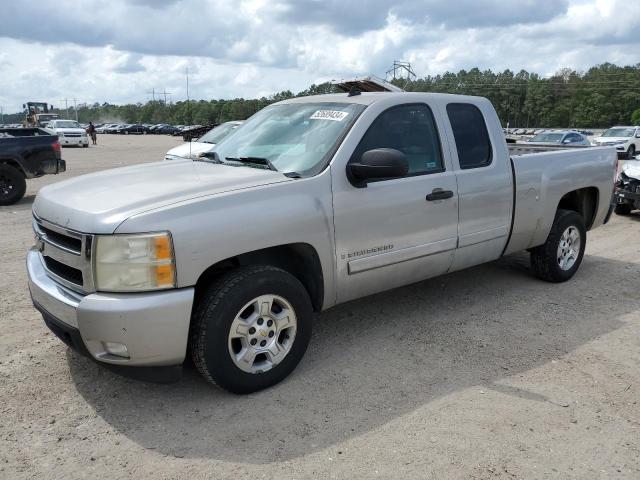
[(26, 153)]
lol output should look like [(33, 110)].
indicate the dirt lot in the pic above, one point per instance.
[(485, 373)]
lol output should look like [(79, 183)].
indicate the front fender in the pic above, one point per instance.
[(210, 229)]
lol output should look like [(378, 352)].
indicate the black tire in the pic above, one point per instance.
[(13, 185), (544, 259), (85, 146), (623, 208), (214, 315), (631, 153)]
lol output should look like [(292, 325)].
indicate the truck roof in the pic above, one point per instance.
[(368, 98)]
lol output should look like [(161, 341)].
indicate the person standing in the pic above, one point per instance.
[(91, 130)]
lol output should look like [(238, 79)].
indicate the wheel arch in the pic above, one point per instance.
[(583, 201), (299, 259), (12, 162)]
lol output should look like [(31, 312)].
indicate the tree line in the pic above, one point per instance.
[(602, 96)]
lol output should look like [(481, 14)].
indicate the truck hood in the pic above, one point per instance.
[(188, 148), (606, 140), (69, 130), (99, 202), (632, 169)]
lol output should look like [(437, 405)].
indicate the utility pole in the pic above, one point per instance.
[(165, 93), (401, 69), (1, 114), (66, 105), (153, 94), (75, 108), (188, 102)]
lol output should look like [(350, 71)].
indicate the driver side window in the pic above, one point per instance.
[(410, 129)]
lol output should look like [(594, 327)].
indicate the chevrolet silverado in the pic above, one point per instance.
[(312, 202)]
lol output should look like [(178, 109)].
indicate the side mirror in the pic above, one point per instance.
[(377, 164), (566, 140)]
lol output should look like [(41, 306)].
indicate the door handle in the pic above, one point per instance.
[(439, 194)]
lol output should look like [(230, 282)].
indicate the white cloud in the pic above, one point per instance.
[(117, 51)]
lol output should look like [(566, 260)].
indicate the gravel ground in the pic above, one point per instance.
[(485, 373)]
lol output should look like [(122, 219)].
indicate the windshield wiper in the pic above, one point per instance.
[(208, 157), (254, 160)]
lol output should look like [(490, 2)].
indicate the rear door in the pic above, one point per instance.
[(485, 182), (394, 232)]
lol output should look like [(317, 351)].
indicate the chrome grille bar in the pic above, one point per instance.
[(68, 249)]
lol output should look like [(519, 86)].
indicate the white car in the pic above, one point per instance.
[(69, 133), (203, 144), (625, 139)]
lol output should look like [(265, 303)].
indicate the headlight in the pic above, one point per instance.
[(134, 263)]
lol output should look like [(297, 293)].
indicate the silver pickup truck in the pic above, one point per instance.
[(312, 202)]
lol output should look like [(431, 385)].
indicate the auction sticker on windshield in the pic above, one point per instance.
[(335, 115)]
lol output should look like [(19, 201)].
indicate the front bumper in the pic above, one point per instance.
[(153, 326), (626, 196)]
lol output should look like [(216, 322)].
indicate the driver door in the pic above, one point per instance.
[(395, 231)]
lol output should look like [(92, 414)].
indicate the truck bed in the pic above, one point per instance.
[(543, 178), (516, 149), (33, 151), (23, 132)]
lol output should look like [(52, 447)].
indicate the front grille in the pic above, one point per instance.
[(63, 271), (71, 243), (66, 255)]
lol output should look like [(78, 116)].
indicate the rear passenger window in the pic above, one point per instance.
[(470, 133), (410, 129)]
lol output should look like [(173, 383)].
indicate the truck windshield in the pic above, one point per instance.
[(66, 124), (294, 137), (619, 132), (547, 138)]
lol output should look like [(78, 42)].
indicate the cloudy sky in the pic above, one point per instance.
[(119, 50)]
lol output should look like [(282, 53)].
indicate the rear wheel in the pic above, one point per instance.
[(559, 258), (631, 153), (251, 328), (13, 185), (623, 208)]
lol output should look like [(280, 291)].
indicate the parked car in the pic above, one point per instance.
[(113, 128), (69, 132), (625, 139), (313, 202), (103, 128), (628, 188), (559, 137), (26, 153), (132, 129), (167, 130), (203, 144)]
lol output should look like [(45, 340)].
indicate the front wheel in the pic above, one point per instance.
[(623, 208), (558, 259), (631, 153), (251, 328)]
